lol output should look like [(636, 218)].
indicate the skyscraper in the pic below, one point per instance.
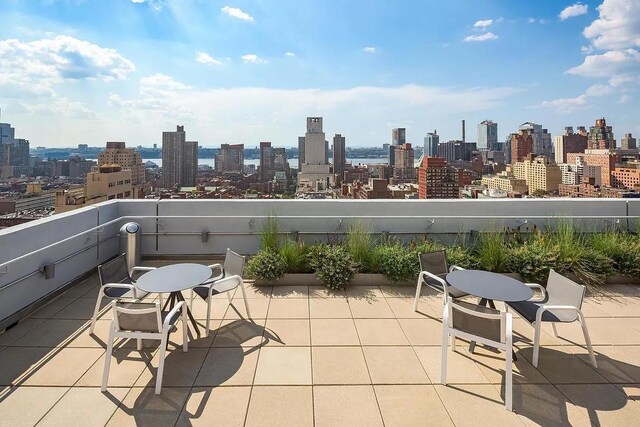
[(404, 170), (314, 143), (179, 159), (300, 151), (230, 159), (601, 136), (521, 145), (437, 180), (267, 158), (570, 142), (541, 138), (431, 142), (628, 142), (127, 158), (398, 137), (339, 155), (487, 135)]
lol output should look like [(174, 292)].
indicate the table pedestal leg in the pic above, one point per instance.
[(179, 297), (488, 303)]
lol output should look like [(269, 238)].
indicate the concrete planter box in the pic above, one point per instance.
[(622, 280), (309, 279)]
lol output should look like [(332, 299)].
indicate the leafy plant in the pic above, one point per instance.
[(397, 262), (623, 250), (266, 266), (492, 252), (461, 256), (332, 265), (295, 257), (359, 244), (270, 234), (532, 260)]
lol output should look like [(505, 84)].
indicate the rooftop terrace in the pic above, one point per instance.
[(316, 357)]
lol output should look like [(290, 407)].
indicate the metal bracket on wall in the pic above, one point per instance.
[(251, 223), (430, 223), (205, 236)]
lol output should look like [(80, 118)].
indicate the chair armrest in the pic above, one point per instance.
[(213, 268), (141, 268), (538, 287), (222, 282), (544, 308), (434, 277), (174, 310), (455, 267), (122, 286)]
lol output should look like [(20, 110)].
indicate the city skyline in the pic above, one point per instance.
[(242, 72)]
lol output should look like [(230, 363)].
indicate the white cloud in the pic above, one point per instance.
[(586, 49), (531, 20), (567, 105), (137, 1), (251, 58), (369, 49), (624, 99), (205, 58), (483, 23), (617, 27), (481, 37), (237, 13), (573, 10), (154, 4), (289, 54), (608, 64)]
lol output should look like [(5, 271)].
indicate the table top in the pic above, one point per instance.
[(173, 278), (493, 286)]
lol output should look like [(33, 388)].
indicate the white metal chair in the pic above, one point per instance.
[(433, 269), (485, 325), (144, 320), (230, 278), (116, 283), (561, 302)]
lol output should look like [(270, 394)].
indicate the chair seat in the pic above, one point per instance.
[(217, 288), (112, 292), (528, 310), (453, 292)]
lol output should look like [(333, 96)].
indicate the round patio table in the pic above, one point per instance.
[(489, 287), (173, 279)]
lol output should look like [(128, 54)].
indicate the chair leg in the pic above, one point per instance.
[(96, 310), (160, 298), (139, 344), (508, 386), (555, 330), (452, 339), (229, 297), (418, 289), (185, 329), (161, 356), (107, 361), (443, 367), (244, 297), (536, 343), (587, 339), (191, 300), (208, 315)]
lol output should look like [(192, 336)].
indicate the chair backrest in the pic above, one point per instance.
[(137, 316), (233, 264), (477, 320), (564, 291), (114, 271), (434, 262)]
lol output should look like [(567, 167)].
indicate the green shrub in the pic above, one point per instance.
[(492, 252), (295, 257), (532, 260), (398, 263), (332, 265), (266, 266), (270, 234), (461, 256), (359, 243), (623, 249)]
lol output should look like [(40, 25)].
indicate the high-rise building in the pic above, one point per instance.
[(437, 180), (179, 159), (540, 173), (606, 159), (230, 159), (398, 136), (127, 158), (431, 142), (7, 133), (626, 176), (487, 135), (542, 144), (80, 167), (521, 145), (601, 136), (404, 170), (267, 157), (15, 158), (628, 142), (315, 149), (339, 155), (570, 142), (300, 151)]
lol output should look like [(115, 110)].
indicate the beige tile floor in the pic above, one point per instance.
[(360, 357)]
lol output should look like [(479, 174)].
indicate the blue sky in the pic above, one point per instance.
[(82, 71)]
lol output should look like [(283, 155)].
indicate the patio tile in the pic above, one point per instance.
[(8, 337), (461, 366), (142, 407), (18, 362), (228, 366), (334, 332), (406, 405), (369, 293), (559, 366), (290, 292), (402, 308), (628, 306), (284, 365), (476, 405), (523, 334), (380, 332), (324, 292), (86, 406), (544, 405), (126, 366), (82, 308), (24, 406), (492, 364), (257, 307), (603, 331), (370, 309), (339, 365), (215, 406), (422, 331), (607, 404), (288, 332), (234, 333), (401, 291), (345, 406), (618, 364), (394, 365), (255, 291), (280, 406), (283, 308), (52, 308), (56, 371), (632, 391), (329, 308), (51, 333), (180, 369), (219, 308)]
